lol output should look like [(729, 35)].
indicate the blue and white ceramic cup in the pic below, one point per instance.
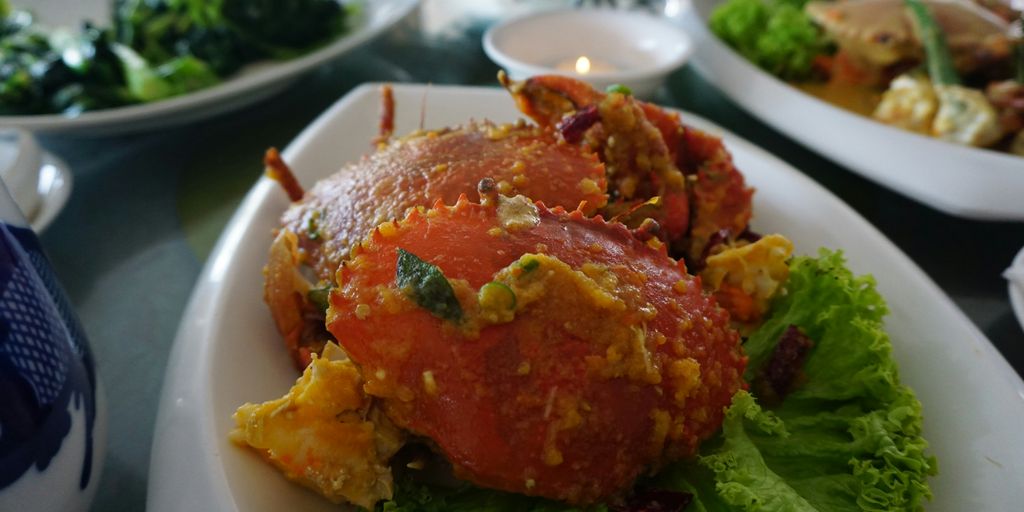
[(52, 417)]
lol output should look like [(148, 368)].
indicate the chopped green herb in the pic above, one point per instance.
[(313, 226), (619, 88), (529, 265), (320, 297), (426, 285), (497, 295)]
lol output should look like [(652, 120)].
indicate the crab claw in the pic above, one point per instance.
[(647, 152), (548, 98)]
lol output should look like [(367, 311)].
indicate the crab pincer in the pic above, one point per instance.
[(649, 153)]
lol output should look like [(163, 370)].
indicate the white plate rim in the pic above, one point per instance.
[(185, 413), (268, 74), (1016, 290)]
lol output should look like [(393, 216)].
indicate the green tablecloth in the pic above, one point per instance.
[(146, 210)]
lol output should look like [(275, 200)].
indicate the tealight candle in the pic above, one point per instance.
[(584, 65), (602, 47)]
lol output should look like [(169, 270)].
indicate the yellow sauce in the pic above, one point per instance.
[(323, 435), (858, 99)]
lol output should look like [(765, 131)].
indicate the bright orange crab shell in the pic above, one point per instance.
[(439, 165), (581, 357), (319, 228)]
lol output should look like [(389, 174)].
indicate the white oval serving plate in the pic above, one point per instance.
[(959, 180), (253, 83), (228, 352), (1016, 286)]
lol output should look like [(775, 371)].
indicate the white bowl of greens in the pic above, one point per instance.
[(130, 72)]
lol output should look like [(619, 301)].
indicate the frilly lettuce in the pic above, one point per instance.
[(773, 34), (850, 437)]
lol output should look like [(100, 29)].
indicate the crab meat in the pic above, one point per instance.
[(746, 277), (325, 434)]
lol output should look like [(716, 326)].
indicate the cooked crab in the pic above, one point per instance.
[(674, 181), (318, 230), (550, 354), (541, 351)]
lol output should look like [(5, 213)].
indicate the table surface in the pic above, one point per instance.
[(146, 210)]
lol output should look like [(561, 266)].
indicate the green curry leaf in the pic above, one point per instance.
[(426, 285)]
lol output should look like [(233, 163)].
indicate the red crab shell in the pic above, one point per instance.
[(535, 405)]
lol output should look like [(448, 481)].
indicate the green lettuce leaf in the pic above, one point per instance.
[(850, 437), (773, 34)]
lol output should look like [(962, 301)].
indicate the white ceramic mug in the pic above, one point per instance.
[(20, 162), (52, 414)]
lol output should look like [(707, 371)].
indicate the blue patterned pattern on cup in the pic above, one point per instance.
[(45, 364)]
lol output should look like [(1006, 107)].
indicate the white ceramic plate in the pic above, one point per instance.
[(1016, 286), (253, 83), (227, 351), (967, 182)]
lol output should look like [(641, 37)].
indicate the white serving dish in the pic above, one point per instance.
[(1015, 276), (640, 48), (227, 350), (959, 180), (253, 83)]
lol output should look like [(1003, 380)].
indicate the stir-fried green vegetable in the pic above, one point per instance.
[(154, 49), (939, 60), (774, 34)]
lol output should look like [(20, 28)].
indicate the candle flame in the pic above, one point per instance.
[(583, 65)]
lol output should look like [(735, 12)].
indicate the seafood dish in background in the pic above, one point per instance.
[(597, 327), (151, 51), (949, 69)]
